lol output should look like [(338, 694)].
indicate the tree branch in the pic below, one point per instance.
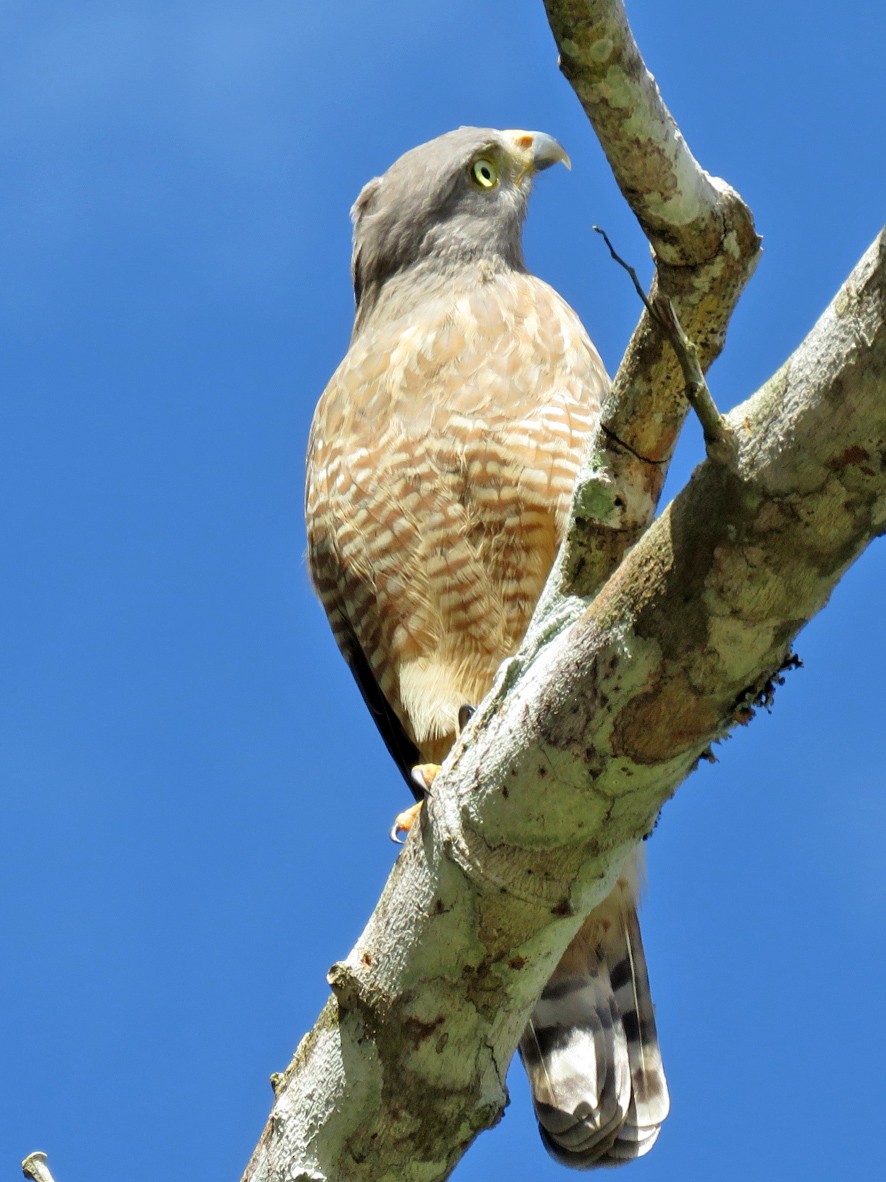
[(566, 764), (678, 205), (610, 703), (705, 249), (698, 395), (34, 1166)]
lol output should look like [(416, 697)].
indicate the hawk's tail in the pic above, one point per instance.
[(591, 1047)]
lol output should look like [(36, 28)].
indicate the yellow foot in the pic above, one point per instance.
[(423, 776), (404, 821)]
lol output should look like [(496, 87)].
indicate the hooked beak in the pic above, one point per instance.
[(535, 150)]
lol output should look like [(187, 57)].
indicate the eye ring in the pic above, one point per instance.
[(484, 174)]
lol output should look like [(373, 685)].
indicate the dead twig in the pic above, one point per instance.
[(719, 442)]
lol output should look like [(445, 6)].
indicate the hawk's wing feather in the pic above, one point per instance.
[(331, 582), (401, 748)]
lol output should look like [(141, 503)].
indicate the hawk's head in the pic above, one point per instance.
[(457, 199)]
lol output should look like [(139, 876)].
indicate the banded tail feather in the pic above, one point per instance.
[(591, 1048)]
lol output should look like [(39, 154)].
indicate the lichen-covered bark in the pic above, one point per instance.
[(705, 248), (568, 761), (676, 202)]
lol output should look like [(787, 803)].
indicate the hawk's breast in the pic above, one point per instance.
[(440, 470)]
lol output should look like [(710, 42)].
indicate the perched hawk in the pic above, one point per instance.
[(440, 468)]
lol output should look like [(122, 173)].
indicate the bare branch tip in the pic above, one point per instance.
[(34, 1166)]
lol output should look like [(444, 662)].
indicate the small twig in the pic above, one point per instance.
[(34, 1166), (718, 440), (630, 270), (720, 444)]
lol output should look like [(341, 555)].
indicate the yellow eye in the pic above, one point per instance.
[(484, 173)]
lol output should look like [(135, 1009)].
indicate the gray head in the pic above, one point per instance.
[(454, 200)]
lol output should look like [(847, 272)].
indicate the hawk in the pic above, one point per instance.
[(441, 463)]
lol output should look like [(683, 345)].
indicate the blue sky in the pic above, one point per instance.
[(194, 801)]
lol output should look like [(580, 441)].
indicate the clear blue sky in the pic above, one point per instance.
[(195, 804)]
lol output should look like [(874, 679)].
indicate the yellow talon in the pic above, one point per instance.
[(404, 821), (423, 776)]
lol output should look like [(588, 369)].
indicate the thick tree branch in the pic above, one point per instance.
[(567, 763)]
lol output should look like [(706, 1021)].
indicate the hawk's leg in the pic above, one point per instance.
[(423, 776), (404, 821)]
